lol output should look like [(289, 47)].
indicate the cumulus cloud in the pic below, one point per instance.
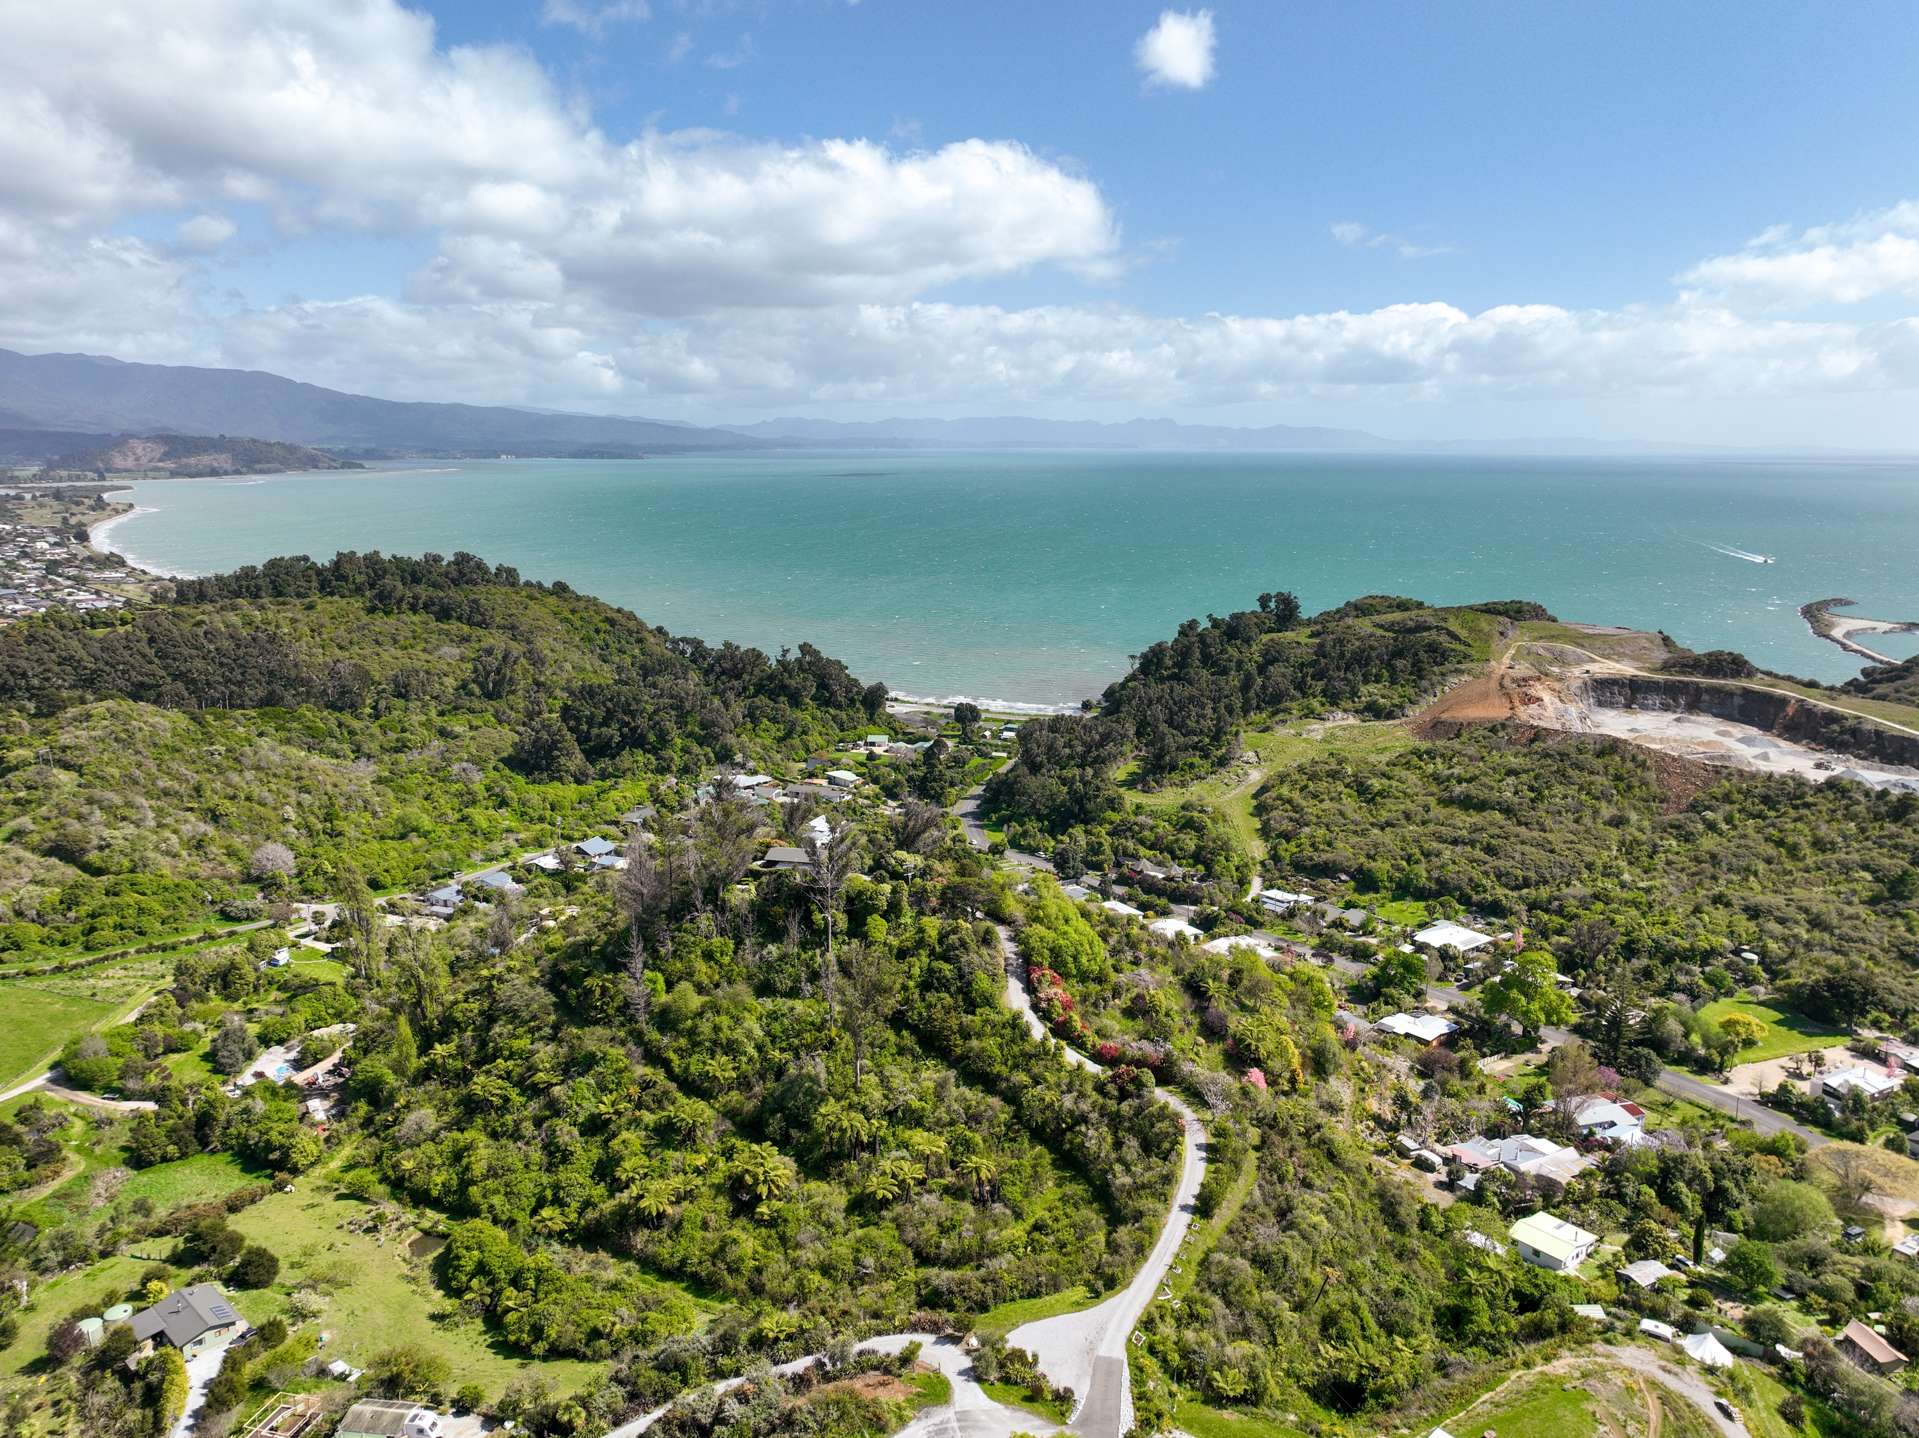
[(204, 233), (350, 118), (709, 274), (1870, 256), (1355, 235), (1178, 51)]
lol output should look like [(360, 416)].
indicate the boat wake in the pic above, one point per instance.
[(1744, 554)]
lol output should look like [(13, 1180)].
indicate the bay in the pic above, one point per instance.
[(1023, 576)]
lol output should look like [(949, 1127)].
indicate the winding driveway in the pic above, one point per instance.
[(1084, 1351)]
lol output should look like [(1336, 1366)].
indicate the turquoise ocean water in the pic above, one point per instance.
[(1032, 576)]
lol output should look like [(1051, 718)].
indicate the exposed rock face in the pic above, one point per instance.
[(1785, 715)]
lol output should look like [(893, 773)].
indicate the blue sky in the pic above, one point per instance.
[(1686, 222)]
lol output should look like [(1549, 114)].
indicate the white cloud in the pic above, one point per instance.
[(1178, 51), (1354, 235), (705, 274), (350, 118), (1870, 256), (204, 233), (593, 20)]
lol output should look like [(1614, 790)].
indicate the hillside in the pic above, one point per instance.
[(190, 455), (592, 1140), (395, 717), (93, 392)]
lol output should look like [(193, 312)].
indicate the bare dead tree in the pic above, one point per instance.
[(830, 864), (639, 998)]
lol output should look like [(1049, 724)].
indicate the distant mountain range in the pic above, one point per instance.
[(92, 393), (90, 397)]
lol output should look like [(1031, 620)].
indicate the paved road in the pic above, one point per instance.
[(971, 1414), (1746, 1110), (967, 811), (1086, 1351)]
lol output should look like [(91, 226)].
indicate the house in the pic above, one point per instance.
[(441, 902), (1653, 1328), (1870, 1351), (192, 1320), (1331, 913), (1124, 910), (1076, 892), (1281, 901), (1907, 1247), (1548, 1242), (1261, 949), (1602, 1118), (1874, 1083), (545, 863), (1706, 1349), (746, 783), (1427, 1028), (280, 959), (843, 779), (1175, 928), (877, 741), (785, 856), (639, 814), (390, 1420), (595, 847), (498, 880), (1647, 1272), (1447, 935), (1523, 1153), (816, 830)]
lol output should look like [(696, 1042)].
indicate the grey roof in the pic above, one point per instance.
[(786, 856), (639, 814), (182, 1317), (379, 1419), (595, 846), (495, 879), (446, 894)]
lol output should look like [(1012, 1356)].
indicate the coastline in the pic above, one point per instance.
[(1839, 629)]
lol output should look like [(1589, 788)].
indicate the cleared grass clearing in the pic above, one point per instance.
[(1786, 1032), (1231, 791), (38, 1023)]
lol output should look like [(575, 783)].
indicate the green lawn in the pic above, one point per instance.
[(199, 1179), (376, 1296), (1005, 1317), (1014, 1395), (103, 1284), (1786, 1032), (1201, 1421), (38, 1023)]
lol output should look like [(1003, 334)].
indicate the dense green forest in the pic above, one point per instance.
[(1579, 841), (392, 718)]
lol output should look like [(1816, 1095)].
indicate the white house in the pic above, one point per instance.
[(1260, 948), (1176, 928), (1523, 1153), (1281, 901), (1124, 910), (1447, 935), (1427, 1028), (843, 779), (1548, 1242), (1623, 1123), (1874, 1083)]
